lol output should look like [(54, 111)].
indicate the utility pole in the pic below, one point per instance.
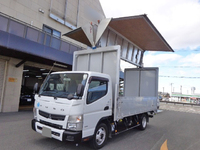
[(181, 89), (171, 87)]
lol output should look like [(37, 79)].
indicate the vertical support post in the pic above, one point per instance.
[(136, 56), (51, 6), (65, 15), (4, 82), (50, 40), (132, 57), (171, 88), (102, 62), (39, 32), (45, 37), (8, 25), (141, 58), (122, 48), (77, 18), (181, 89), (25, 31), (127, 50), (88, 62), (107, 37), (163, 90)]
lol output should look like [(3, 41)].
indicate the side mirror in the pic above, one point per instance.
[(35, 88), (79, 90)]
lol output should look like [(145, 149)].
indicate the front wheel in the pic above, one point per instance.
[(100, 136), (143, 122)]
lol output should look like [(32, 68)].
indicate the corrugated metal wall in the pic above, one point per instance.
[(129, 51)]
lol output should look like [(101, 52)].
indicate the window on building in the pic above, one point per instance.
[(98, 88), (66, 11), (51, 31)]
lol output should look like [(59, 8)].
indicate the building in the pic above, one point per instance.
[(190, 98), (31, 41)]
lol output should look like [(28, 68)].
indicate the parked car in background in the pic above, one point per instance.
[(27, 96)]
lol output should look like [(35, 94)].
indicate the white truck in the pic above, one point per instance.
[(88, 104)]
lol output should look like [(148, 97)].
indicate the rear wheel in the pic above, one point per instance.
[(143, 122), (100, 136)]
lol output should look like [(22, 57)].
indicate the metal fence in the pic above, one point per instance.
[(24, 30), (179, 103)]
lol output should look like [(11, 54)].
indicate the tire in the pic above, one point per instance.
[(143, 122), (100, 136)]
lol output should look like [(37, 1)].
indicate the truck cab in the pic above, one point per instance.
[(69, 105)]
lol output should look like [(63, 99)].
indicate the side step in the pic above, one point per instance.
[(116, 133)]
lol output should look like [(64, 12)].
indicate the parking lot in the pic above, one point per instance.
[(179, 129)]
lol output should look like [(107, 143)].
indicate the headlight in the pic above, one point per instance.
[(75, 123), (35, 113), (72, 126)]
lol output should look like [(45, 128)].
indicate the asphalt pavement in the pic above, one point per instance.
[(174, 129)]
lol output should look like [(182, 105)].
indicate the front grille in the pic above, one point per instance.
[(58, 117), (44, 114), (51, 124), (52, 116)]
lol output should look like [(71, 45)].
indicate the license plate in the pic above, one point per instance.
[(29, 100), (46, 132)]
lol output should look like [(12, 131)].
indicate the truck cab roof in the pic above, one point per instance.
[(90, 73)]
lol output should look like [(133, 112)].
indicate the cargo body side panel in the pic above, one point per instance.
[(140, 92)]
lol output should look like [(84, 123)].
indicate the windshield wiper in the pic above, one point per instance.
[(72, 96), (48, 93), (63, 95)]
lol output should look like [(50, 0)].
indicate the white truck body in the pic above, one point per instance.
[(140, 84), (71, 118)]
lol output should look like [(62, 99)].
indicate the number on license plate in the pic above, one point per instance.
[(29, 100)]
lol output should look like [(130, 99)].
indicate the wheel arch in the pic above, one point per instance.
[(147, 116), (106, 121)]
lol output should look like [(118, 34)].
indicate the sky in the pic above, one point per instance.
[(178, 21)]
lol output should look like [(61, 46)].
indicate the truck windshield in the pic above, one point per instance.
[(63, 84)]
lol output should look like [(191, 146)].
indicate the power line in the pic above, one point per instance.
[(196, 50), (179, 77), (180, 66)]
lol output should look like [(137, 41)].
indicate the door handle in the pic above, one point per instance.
[(106, 108)]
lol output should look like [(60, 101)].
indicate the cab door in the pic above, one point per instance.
[(97, 105)]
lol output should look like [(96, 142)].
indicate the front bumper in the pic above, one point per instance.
[(59, 134)]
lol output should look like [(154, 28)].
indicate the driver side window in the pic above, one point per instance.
[(98, 88)]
